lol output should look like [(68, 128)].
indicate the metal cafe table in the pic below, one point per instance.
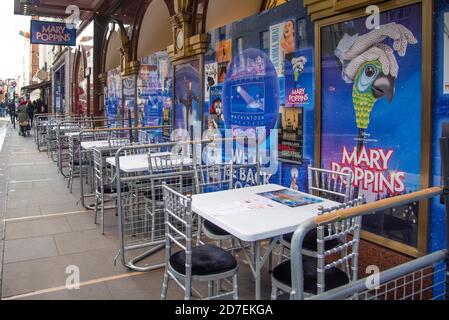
[(253, 218)]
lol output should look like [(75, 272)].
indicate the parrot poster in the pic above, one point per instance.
[(371, 102)]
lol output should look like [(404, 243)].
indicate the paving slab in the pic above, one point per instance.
[(29, 249), (36, 228), (49, 209), (30, 276), (82, 241), (22, 213), (82, 221)]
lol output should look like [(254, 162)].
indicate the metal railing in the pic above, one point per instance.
[(371, 208), (140, 205), (420, 279)]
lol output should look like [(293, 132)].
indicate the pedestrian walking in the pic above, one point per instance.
[(2, 109), (23, 117), (12, 112), (30, 112)]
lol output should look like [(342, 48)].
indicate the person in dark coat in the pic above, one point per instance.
[(12, 112), (30, 112), (23, 117)]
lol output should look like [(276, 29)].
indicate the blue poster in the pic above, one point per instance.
[(299, 79), (114, 99), (440, 118), (214, 119), (295, 177), (154, 95), (128, 99), (187, 95), (251, 94)]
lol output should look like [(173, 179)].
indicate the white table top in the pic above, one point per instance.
[(139, 163), (72, 134), (89, 145), (251, 217)]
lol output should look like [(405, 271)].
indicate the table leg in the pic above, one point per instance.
[(258, 267), (80, 156)]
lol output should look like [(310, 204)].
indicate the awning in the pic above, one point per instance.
[(31, 88)]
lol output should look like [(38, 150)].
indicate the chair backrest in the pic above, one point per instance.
[(101, 135), (136, 151), (346, 254), (178, 224), (214, 177), (117, 142), (103, 173), (98, 168), (332, 185), (165, 162), (73, 144)]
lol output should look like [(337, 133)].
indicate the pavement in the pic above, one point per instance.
[(45, 235)]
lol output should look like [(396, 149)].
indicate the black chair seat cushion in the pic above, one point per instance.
[(310, 242), (213, 229), (334, 277), (206, 260), (77, 163), (111, 189)]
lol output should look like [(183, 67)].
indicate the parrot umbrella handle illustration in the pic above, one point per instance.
[(372, 67), (298, 67)]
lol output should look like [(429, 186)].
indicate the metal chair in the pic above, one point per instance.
[(204, 263), (331, 185), (101, 135), (163, 168), (103, 187), (213, 178), (115, 142), (326, 270), (75, 163)]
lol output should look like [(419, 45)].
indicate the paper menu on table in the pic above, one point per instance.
[(248, 205)]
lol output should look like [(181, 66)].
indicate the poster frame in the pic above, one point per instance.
[(426, 134)]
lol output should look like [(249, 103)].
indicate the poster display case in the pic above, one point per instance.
[(371, 115), (259, 81)]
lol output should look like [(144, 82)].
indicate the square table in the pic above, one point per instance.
[(253, 218), (72, 134)]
